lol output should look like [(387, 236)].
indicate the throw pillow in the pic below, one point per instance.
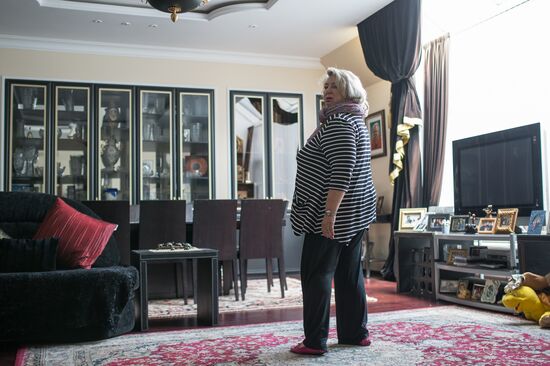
[(3, 235), (81, 238), (27, 255)]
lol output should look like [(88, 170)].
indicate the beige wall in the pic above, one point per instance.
[(42, 65)]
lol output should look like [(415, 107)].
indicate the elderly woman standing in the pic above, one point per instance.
[(334, 203)]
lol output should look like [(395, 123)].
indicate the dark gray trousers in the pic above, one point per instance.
[(322, 260)]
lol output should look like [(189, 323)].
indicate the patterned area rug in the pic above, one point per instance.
[(257, 298), (445, 335)]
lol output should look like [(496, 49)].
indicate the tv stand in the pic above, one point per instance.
[(405, 241)]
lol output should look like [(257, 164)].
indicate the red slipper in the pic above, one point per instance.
[(301, 349), (364, 342)]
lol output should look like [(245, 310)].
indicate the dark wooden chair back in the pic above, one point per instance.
[(215, 226), (116, 212), (261, 236), (161, 221), (261, 233)]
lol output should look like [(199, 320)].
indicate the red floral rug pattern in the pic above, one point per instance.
[(257, 298), (447, 335)]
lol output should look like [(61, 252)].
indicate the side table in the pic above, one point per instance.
[(207, 280)]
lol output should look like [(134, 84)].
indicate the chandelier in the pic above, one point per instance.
[(175, 7)]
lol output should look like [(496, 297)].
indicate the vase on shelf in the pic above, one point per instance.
[(110, 154)]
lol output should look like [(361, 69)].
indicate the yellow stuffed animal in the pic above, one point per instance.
[(534, 306)]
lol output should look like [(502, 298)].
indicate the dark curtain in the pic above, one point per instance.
[(436, 85), (390, 39)]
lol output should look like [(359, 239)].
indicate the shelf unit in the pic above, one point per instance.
[(443, 270)]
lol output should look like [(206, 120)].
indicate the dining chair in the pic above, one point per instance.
[(215, 227), (261, 237), (162, 221), (116, 212)]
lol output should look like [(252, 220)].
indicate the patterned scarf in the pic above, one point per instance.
[(345, 107)]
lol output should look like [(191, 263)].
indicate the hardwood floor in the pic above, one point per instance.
[(384, 291)]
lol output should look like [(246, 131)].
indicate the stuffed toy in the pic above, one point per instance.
[(534, 306)]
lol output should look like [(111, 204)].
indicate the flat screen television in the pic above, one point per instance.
[(502, 168)]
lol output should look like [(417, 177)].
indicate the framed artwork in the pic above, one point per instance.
[(436, 221), (490, 291), (458, 223), (536, 222), (376, 123), (409, 217), (486, 225), (448, 286), (477, 290), (453, 252), (506, 220), (320, 103), (463, 292)]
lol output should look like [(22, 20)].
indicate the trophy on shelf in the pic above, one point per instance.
[(110, 120)]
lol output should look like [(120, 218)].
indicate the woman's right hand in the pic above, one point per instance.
[(535, 281)]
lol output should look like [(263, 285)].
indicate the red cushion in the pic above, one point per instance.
[(81, 238)]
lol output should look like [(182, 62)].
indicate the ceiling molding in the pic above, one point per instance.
[(148, 11), (154, 52)]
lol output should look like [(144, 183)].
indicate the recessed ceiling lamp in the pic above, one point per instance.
[(175, 7)]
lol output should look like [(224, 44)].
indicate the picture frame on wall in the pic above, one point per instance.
[(410, 217), (506, 220), (376, 124)]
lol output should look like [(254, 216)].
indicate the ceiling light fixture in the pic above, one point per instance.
[(175, 7)]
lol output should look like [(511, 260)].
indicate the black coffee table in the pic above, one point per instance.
[(207, 280)]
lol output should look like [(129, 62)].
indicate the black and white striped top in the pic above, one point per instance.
[(336, 157)]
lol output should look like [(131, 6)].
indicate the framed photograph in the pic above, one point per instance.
[(486, 225), (376, 123), (536, 222), (379, 204), (422, 224), (490, 291), (477, 290), (409, 217), (436, 221), (458, 223), (506, 220), (453, 252), (448, 286), (463, 292)]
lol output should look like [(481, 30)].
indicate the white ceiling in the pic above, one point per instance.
[(293, 30)]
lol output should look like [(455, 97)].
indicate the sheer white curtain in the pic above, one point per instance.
[(499, 78)]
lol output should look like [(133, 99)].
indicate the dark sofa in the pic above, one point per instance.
[(64, 304)]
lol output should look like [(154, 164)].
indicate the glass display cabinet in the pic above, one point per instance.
[(115, 121), (71, 148), (248, 139), (195, 141), (26, 137), (155, 155), (286, 132), (266, 134)]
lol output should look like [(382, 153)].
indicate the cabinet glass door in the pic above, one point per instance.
[(71, 149), (285, 142), (156, 145), (195, 122), (248, 134), (28, 113), (115, 121)]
